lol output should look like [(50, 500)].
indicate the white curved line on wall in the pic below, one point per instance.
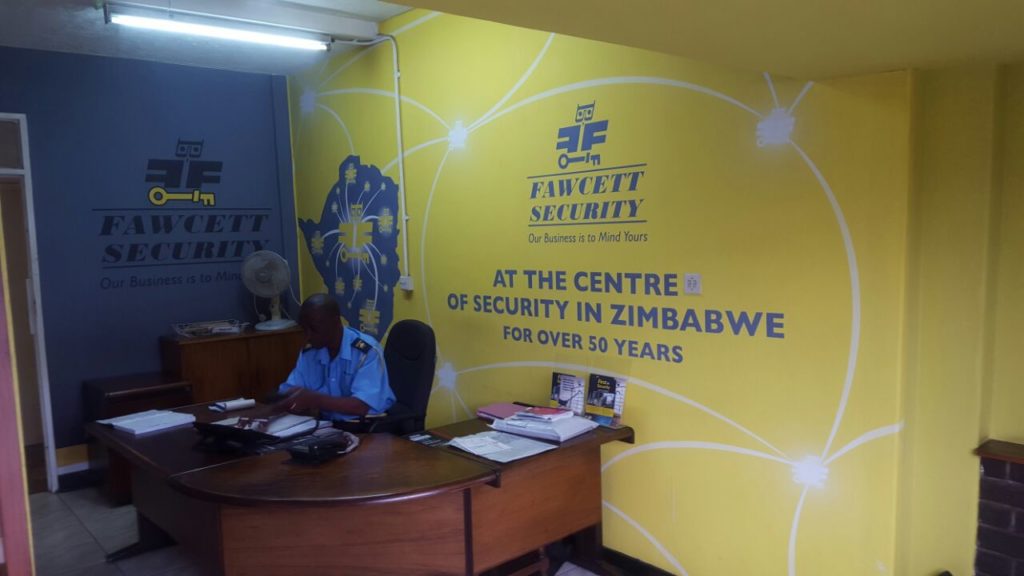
[(617, 80), (412, 151), (650, 538), (344, 214), (793, 531), (359, 56), (865, 438), (344, 128), (799, 97), (423, 237), (416, 23), (362, 53), (851, 259), (771, 88), (516, 86), (388, 94), (694, 445)]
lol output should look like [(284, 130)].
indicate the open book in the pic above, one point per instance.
[(280, 426)]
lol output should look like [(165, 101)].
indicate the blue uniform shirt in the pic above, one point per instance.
[(352, 372)]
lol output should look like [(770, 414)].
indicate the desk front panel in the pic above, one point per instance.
[(541, 499), (424, 536)]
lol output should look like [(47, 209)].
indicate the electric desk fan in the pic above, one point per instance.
[(266, 274)]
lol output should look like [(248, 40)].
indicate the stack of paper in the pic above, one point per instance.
[(149, 421), (500, 447), (544, 414), (558, 430)]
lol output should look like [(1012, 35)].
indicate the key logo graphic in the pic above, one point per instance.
[(578, 140), (182, 178)]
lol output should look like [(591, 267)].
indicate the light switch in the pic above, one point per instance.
[(691, 284)]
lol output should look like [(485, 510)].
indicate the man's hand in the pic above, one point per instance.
[(299, 401)]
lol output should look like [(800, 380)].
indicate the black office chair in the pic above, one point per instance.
[(410, 354)]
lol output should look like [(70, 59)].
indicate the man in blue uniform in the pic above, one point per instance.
[(341, 372)]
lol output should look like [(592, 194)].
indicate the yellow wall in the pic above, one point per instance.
[(1007, 374), (814, 230), (948, 303)]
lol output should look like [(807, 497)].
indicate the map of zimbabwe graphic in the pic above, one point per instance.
[(354, 245)]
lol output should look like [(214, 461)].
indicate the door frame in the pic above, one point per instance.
[(36, 314)]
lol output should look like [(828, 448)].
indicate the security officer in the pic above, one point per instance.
[(341, 371)]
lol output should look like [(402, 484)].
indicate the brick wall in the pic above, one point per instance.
[(1000, 519)]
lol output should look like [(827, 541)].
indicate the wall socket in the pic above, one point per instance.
[(405, 283), (691, 284)]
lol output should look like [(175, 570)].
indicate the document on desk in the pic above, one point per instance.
[(281, 426), (499, 446), (149, 421), (557, 431)]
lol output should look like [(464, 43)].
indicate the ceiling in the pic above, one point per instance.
[(808, 39), (78, 26)]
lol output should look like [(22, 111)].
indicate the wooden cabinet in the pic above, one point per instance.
[(251, 364)]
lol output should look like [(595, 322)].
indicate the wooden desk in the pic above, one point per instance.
[(391, 507), (540, 499), (250, 364)]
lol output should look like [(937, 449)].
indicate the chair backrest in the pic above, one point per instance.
[(410, 353)]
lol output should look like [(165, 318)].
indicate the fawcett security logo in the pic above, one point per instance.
[(186, 168), (585, 192), (182, 227)]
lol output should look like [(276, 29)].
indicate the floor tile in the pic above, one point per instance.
[(62, 545), (163, 562), (64, 558), (103, 569), (113, 527), (54, 525), (43, 503)]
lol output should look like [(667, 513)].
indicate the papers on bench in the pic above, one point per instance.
[(557, 431), (230, 405), (499, 446), (149, 421)]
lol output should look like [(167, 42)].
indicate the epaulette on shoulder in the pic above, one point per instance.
[(362, 345)]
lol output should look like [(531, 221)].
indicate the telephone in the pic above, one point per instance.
[(316, 449)]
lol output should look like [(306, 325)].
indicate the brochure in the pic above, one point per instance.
[(605, 399), (567, 392)]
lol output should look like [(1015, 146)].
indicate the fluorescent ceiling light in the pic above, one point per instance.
[(215, 27)]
